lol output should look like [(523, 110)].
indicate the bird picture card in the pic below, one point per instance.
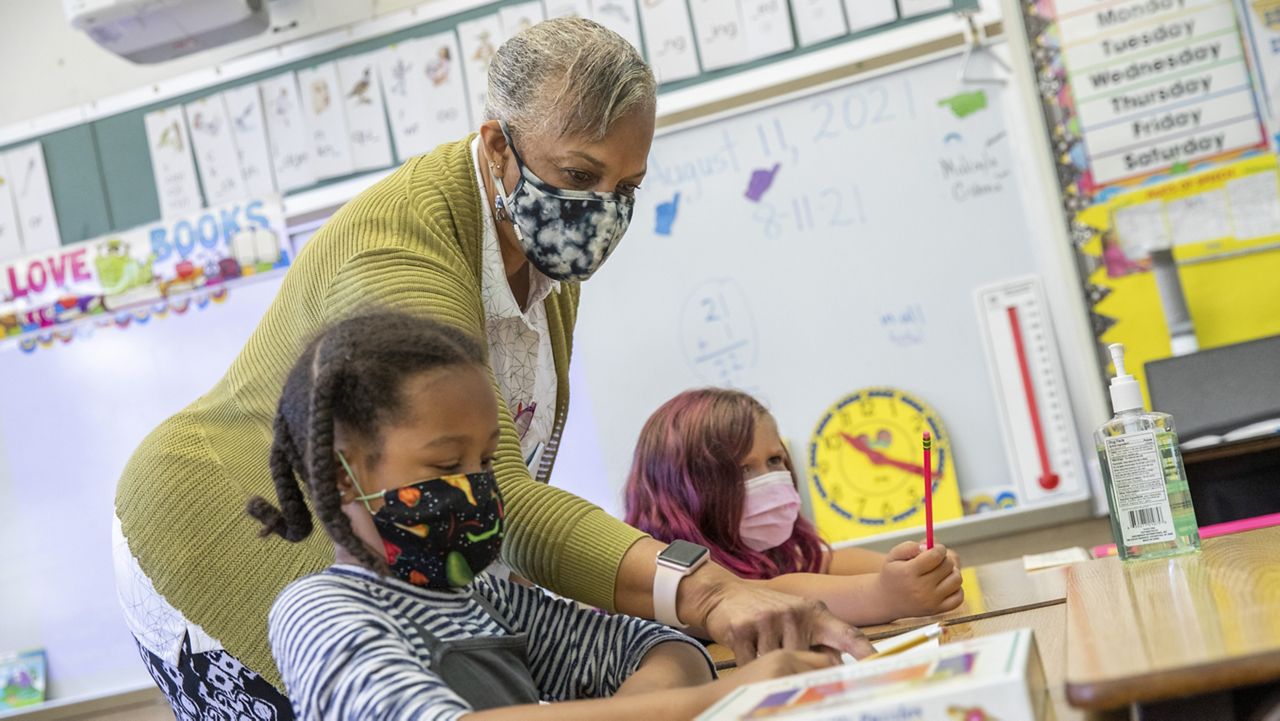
[(37, 218), (287, 132), (447, 117), (520, 17), (249, 133), (722, 41), (322, 107), (818, 20), (366, 114), (620, 17), (867, 14), (567, 8), (10, 234), (22, 679), (208, 126), (479, 40), (912, 8), (171, 162), (767, 27), (404, 90), (668, 36)]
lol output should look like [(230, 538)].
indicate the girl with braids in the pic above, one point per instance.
[(711, 468), (389, 424), (493, 234)]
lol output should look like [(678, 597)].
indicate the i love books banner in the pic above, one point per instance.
[(119, 271)]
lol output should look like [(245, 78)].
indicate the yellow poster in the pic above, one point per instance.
[(1223, 228)]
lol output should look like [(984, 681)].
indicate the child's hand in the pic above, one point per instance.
[(671, 664), (776, 664), (918, 582)]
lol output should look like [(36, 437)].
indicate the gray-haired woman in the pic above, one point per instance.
[(492, 234)]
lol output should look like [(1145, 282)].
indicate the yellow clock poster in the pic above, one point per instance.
[(866, 471)]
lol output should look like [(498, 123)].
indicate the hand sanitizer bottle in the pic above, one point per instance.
[(1151, 512)]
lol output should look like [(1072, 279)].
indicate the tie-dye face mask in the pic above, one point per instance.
[(439, 533), (566, 234)]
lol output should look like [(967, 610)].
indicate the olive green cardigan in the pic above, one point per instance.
[(411, 242)]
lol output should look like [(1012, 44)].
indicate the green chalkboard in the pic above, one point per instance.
[(79, 199), (100, 172)]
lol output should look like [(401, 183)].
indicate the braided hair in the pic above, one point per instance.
[(353, 374)]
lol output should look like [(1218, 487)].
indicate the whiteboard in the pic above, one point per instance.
[(70, 418), (804, 249)]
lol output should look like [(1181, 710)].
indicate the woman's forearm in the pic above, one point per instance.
[(750, 618)]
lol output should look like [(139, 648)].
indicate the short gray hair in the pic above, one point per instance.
[(569, 76)]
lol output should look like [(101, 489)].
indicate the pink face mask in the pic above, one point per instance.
[(769, 511)]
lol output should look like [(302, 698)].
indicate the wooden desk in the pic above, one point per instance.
[(1050, 626), (1156, 630), (991, 589)]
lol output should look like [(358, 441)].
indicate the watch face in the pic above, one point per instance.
[(683, 553)]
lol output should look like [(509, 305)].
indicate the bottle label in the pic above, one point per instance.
[(1137, 480)]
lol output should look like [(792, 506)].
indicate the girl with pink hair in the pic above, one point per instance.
[(710, 468)]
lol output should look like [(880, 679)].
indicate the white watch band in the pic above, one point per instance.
[(666, 584)]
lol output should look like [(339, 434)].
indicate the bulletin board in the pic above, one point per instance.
[(1158, 141)]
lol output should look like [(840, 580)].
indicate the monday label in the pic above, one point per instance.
[(1091, 18)]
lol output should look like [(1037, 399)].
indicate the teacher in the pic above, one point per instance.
[(493, 234)]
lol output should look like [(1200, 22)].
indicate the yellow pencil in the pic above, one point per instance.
[(909, 641)]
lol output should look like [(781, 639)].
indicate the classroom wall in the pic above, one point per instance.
[(50, 66)]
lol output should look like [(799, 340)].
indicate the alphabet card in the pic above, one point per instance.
[(10, 235), (818, 20), (567, 8), (366, 115), (520, 17), (479, 39), (249, 133), (668, 36), (867, 14), (171, 164), (322, 107), (620, 17), (767, 27), (446, 116), (404, 88), (722, 41), (291, 155), (216, 157)]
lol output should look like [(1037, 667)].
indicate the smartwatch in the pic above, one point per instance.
[(676, 561)]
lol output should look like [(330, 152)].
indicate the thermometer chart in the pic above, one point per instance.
[(1031, 396)]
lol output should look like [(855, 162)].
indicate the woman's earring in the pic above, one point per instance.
[(499, 205)]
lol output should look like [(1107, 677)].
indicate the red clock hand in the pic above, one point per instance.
[(878, 458)]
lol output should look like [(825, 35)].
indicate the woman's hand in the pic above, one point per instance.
[(671, 664), (749, 618), (919, 582), (753, 620)]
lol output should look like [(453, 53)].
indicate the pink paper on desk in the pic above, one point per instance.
[(1217, 529)]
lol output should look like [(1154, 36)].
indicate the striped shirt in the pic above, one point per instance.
[(345, 642)]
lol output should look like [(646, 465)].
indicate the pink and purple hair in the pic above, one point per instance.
[(686, 483)]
